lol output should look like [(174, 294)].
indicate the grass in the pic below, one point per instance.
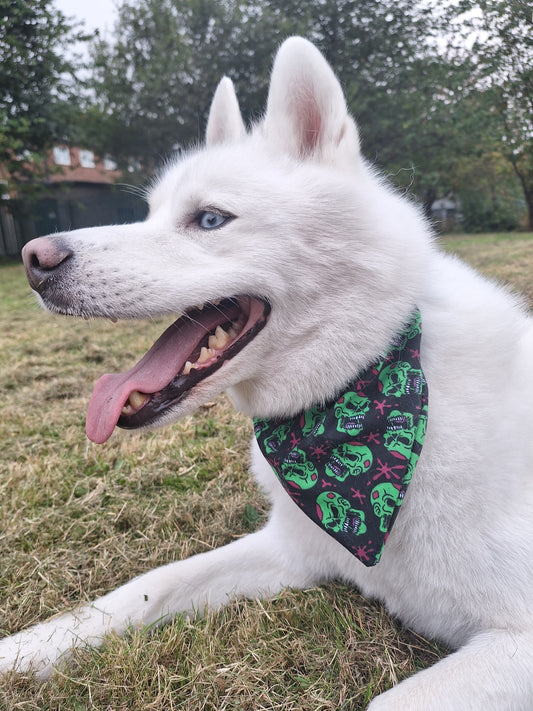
[(505, 257), (79, 519)]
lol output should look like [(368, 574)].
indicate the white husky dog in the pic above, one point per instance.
[(287, 233)]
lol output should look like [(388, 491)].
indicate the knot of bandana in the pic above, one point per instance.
[(348, 464)]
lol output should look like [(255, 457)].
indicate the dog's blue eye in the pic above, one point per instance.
[(209, 220)]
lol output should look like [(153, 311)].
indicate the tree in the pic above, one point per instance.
[(394, 77), (37, 94), (155, 80), (424, 113), (502, 55)]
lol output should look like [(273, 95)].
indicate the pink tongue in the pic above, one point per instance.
[(154, 371)]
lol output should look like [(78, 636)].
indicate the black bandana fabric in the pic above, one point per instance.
[(348, 464)]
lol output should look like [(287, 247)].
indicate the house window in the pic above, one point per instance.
[(61, 155), (86, 158), (133, 165), (109, 163)]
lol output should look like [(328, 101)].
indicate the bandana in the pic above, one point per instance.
[(348, 464)]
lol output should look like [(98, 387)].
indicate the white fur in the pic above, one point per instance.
[(343, 260)]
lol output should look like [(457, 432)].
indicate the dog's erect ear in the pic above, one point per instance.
[(306, 110), (225, 122)]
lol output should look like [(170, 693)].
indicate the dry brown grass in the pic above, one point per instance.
[(79, 519), (507, 258)]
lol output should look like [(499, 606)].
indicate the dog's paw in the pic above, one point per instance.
[(380, 703), (411, 695), (23, 653), (33, 650), (38, 649), (394, 700)]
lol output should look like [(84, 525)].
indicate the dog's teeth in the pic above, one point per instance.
[(236, 328), (205, 354), (219, 340), (137, 399), (188, 367), (221, 336)]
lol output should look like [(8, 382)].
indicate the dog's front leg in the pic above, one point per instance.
[(252, 566), (493, 672)]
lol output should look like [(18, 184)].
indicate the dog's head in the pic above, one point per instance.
[(291, 263)]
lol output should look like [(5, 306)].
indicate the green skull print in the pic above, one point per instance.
[(400, 433), (337, 515), (350, 411), (385, 498), (347, 464), (348, 460), (313, 422), (401, 379), (274, 441), (297, 469)]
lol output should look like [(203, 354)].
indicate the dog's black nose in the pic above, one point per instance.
[(42, 258)]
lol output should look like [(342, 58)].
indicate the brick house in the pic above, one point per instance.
[(79, 190)]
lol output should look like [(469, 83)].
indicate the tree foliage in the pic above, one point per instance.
[(502, 65), (36, 88), (418, 106), (154, 81), (438, 118)]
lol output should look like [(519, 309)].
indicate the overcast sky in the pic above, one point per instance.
[(93, 13)]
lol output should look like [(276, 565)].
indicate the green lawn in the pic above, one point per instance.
[(78, 519), (505, 257)]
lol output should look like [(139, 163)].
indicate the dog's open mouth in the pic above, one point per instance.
[(190, 350)]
